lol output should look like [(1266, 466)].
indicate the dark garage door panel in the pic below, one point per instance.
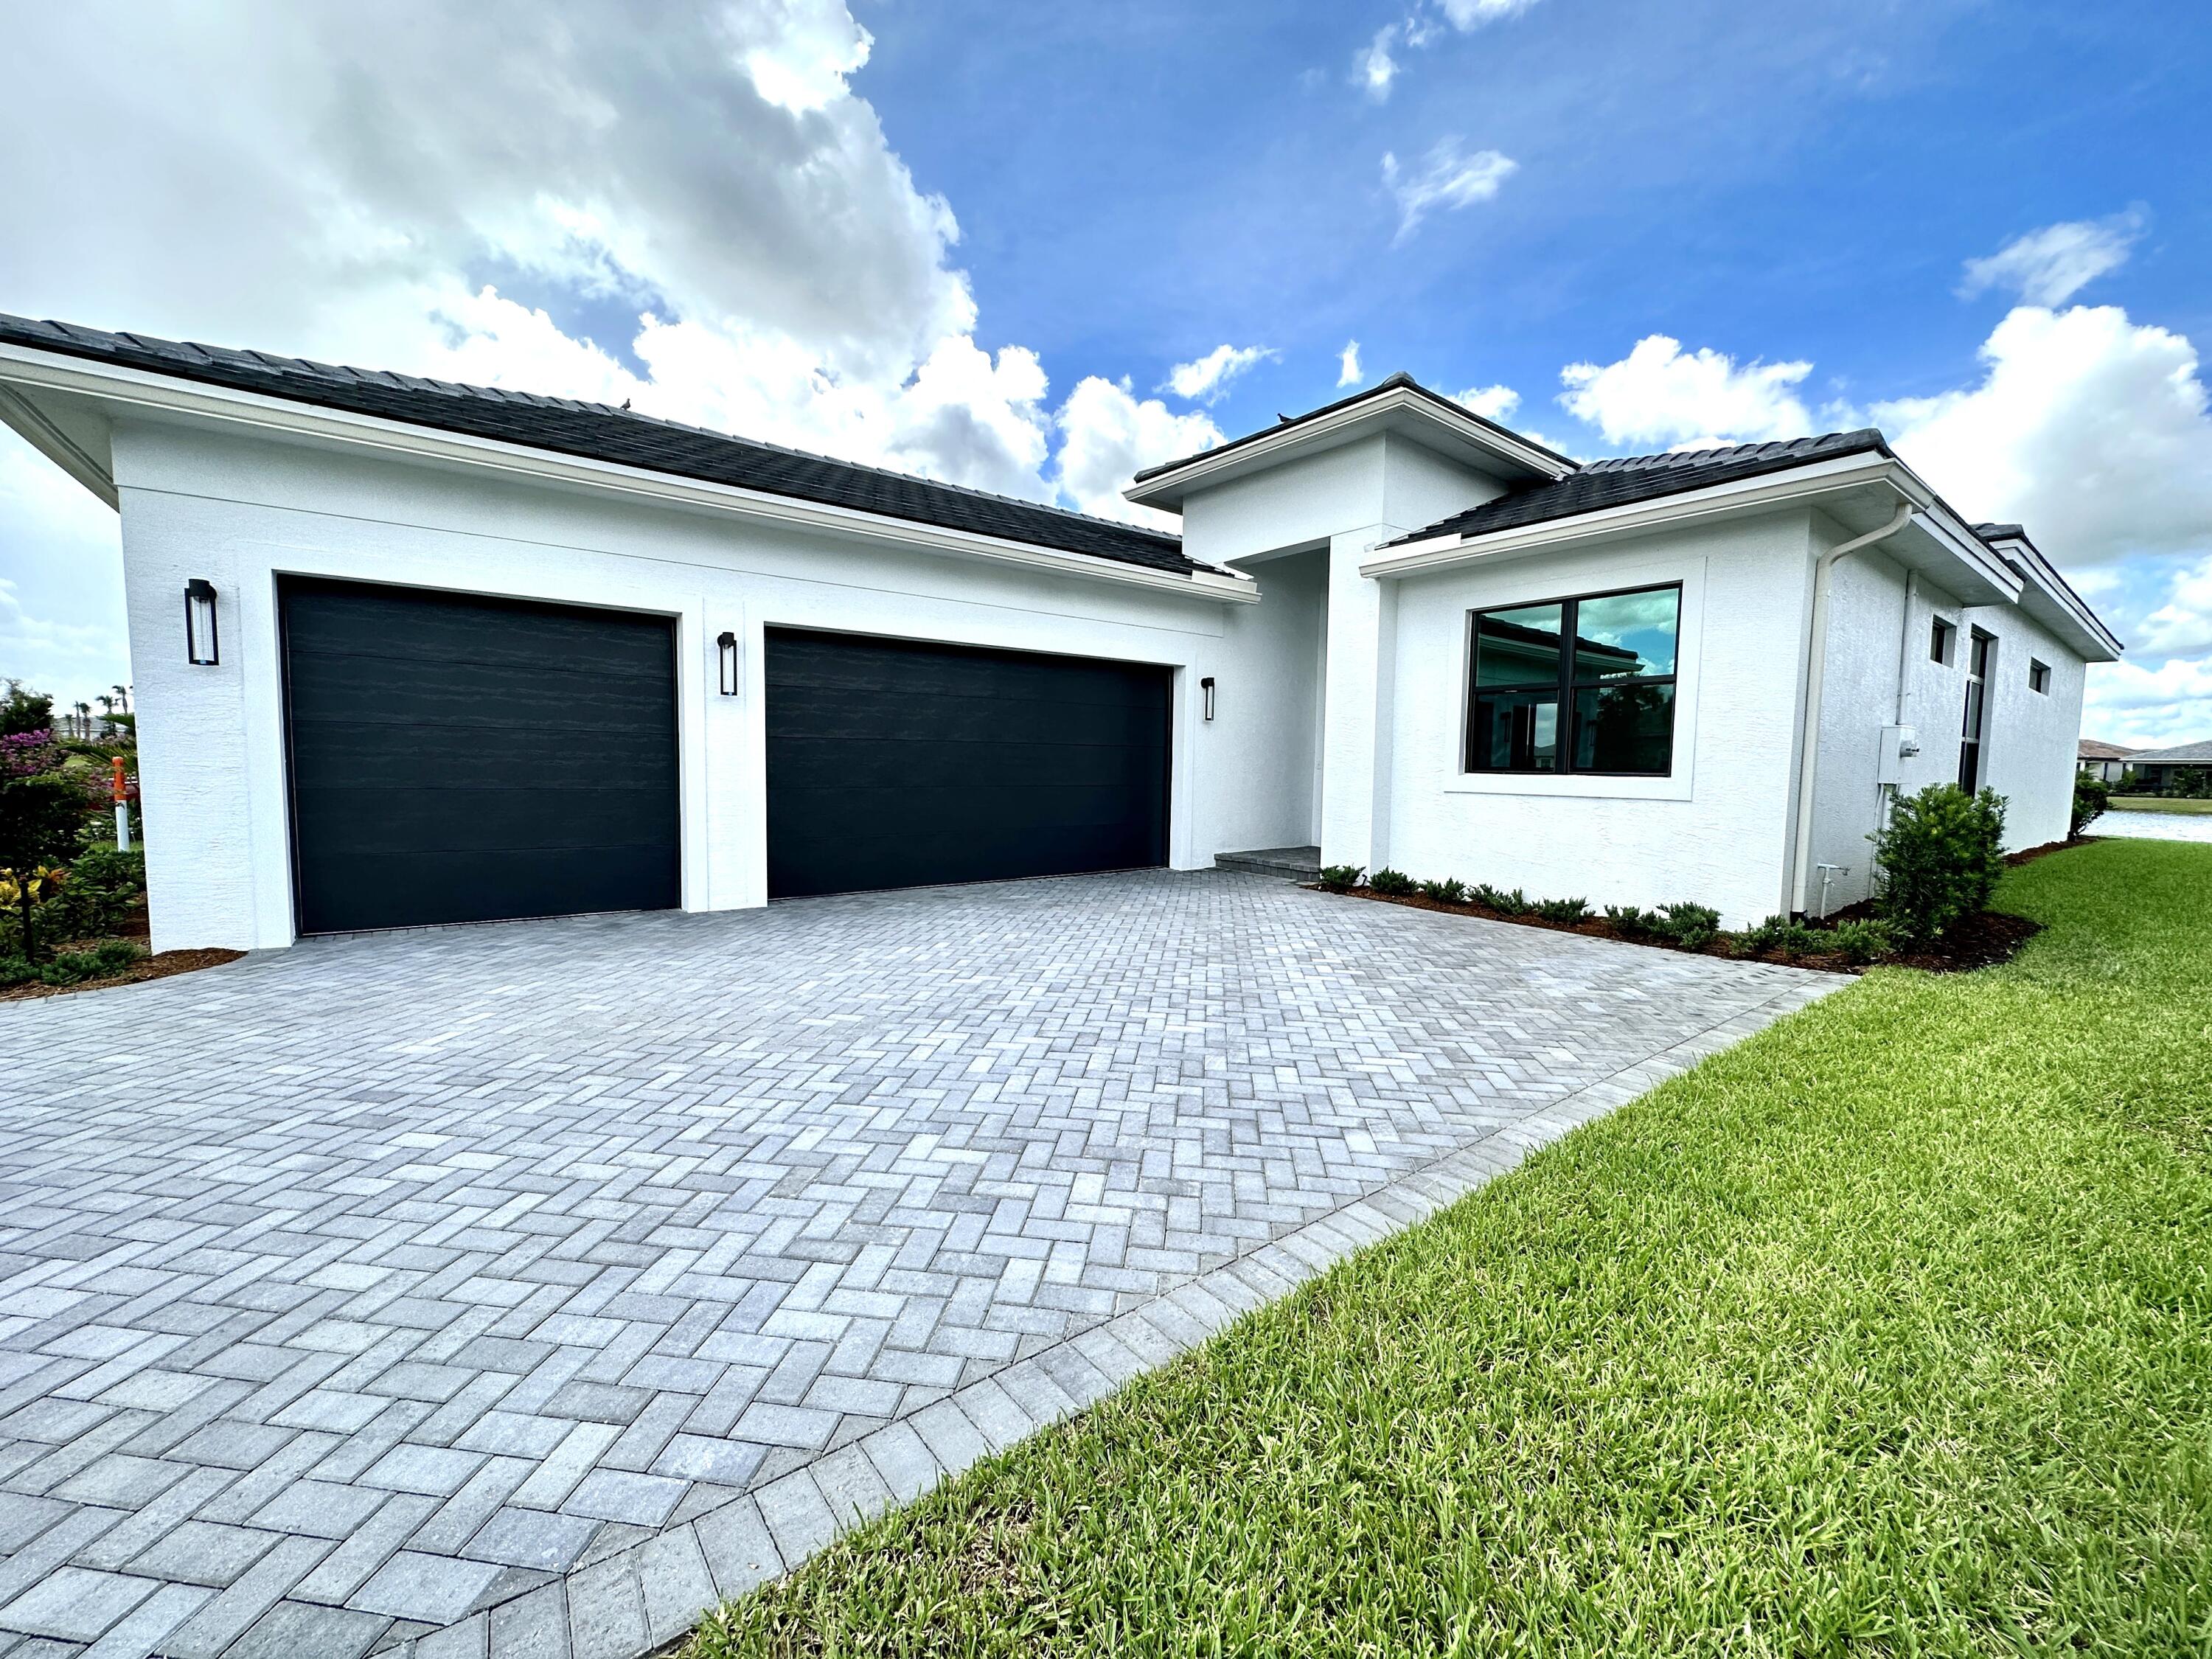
[(896, 764), (465, 759)]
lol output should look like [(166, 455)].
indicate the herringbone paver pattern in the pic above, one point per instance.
[(520, 1289)]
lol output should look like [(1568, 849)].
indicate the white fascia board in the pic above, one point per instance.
[(2047, 598), (1166, 489), (140, 390), (1800, 486)]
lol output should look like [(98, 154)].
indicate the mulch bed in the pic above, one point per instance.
[(1988, 939), (155, 967)]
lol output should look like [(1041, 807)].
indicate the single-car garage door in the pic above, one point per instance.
[(465, 759), (896, 765)]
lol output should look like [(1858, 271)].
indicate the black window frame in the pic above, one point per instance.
[(1943, 641), (1974, 719), (1564, 688), (2038, 676)]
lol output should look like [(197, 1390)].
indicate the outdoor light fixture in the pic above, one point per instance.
[(725, 647), (199, 623), (1206, 686)]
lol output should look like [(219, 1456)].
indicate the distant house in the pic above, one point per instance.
[(2154, 767), (2102, 760)]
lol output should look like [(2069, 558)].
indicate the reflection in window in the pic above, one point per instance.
[(1616, 683)]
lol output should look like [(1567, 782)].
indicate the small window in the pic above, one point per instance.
[(1576, 685), (2038, 676), (1939, 643)]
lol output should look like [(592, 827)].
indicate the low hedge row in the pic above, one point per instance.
[(1686, 925), (70, 967)]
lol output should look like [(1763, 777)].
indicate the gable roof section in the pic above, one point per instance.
[(1399, 405), (1625, 480), (595, 431), (1400, 382), (2096, 748)]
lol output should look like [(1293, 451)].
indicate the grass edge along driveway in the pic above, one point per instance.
[(1886, 1331)]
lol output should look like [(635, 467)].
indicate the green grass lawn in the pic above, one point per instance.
[(1888, 1331), (2158, 804)]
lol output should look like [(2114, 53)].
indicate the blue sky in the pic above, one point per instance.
[(977, 240)]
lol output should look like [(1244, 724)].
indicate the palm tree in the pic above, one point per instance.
[(122, 697), (83, 719)]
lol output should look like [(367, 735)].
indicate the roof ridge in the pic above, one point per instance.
[(284, 363)]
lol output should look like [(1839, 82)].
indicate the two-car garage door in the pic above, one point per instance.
[(456, 758)]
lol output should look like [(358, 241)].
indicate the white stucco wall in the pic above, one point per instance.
[(1339, 504), (1716, 831), (238, 511), (1866, 610), (1384, 479), (2028, 737)]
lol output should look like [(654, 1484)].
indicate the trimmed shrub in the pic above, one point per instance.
[(1395, 883), (1562, 910), (1513, 903), (2091, 797), (1631, 919), (1692, 927), (71, 967), (1450, 890), (1861, 942), (1941, 856), (1341, 878)]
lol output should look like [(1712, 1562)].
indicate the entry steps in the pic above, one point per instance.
[(1294, 863)]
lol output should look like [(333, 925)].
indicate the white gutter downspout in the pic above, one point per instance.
[(1815, 669)]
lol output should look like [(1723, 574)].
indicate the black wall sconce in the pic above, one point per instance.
[(201, 647), (1205, 686), (726, 650)]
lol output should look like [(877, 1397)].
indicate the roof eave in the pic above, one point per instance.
[(25, 369), (1984, 577)]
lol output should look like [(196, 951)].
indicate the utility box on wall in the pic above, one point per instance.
[(1898, 745)]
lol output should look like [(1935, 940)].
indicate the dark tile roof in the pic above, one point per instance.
[(2098, 749), (593, 431), (1624, 479), (2187, 754), (1391, 383)]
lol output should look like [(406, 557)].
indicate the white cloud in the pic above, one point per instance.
[(61, 594), (2150, 706), (2090, 430), (1473, 14), (1492, 403), (1108, 433), (1205, 378), (1374, 67), (1658, 395), (2183, 622), (2048, 267), (702, 216), (1347, 365), (1448, 178)]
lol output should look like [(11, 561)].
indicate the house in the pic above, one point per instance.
[(2157, 768), (2103, 761), (408, 652)]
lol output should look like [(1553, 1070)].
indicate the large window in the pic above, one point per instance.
[(1576, 685)]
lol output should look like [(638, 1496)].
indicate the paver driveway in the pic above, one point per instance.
[(517, 1289)]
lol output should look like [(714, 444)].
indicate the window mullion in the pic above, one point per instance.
[(1568, 635)]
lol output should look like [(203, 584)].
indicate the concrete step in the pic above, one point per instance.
[(1295, 863)]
